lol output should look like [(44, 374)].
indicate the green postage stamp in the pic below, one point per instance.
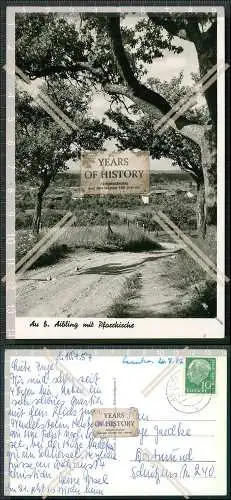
[(200, 375)]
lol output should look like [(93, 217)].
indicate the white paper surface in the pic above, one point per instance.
[(50, 450)]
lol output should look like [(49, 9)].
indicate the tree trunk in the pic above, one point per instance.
[(206, 138), (201, 209), (207, 57), (206, 48), (36, 224), (209, 166)]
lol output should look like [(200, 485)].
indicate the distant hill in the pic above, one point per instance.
[(152, 171), (168, 172), (157, 177)]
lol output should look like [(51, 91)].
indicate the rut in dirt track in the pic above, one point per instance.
[(87, 284)]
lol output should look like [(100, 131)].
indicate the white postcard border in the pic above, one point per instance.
[(18, 327)]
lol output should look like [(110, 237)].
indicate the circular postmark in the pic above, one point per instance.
[(181, 401)]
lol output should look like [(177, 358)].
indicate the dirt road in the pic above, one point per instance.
[(86, 284)]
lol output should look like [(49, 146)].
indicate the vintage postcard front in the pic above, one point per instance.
[(115, 172), (122, 422)]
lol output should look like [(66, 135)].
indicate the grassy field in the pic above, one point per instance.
[(168, 194), (93, 213), (91, 232), (95, 238)]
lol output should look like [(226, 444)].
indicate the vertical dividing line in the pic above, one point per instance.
[(114, 404)]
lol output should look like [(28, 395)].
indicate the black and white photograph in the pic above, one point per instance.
[(119, 168)]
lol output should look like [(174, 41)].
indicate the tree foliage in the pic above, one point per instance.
[(137, 130), (103, 52), (43, 147), (201, 30), (49, 43)]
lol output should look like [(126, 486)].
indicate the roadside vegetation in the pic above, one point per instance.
[(199, 299), (92, 238), (121, 307), (200, 289)]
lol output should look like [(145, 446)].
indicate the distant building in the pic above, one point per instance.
[(170, 193), (55, 197)]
